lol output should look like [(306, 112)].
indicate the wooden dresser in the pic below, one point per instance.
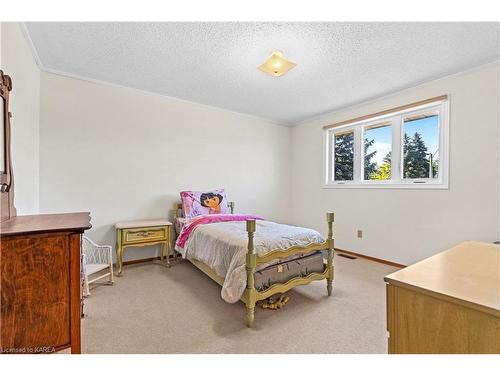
[(448, 303), (40, 282)]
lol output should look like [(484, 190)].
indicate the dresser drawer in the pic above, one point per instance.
[(144, 234)]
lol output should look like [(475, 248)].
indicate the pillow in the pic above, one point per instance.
[(195, 203)]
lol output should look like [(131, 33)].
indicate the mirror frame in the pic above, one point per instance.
[(7, 209)]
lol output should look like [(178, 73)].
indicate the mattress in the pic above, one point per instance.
[(287, 269)]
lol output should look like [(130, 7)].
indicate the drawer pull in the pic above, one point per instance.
[(144, 234)]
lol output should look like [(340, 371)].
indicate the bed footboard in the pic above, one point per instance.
[(251, 265), (329, 259), (251, 295)]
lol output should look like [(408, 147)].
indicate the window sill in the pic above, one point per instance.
[(385, 185)]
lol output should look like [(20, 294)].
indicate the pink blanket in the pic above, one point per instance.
[(208, 219)]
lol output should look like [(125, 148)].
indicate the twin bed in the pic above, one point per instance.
[(251, 258)]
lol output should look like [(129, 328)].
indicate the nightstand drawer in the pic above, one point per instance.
[(144, 235)]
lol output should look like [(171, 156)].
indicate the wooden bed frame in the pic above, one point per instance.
[(251, 295)]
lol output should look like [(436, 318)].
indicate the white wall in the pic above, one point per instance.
[(408, 225), (18, 62), (1, 44), (123, 154)]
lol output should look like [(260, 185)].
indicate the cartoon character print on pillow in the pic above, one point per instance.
[(196, 203)]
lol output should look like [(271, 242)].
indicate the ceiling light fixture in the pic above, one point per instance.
[(277, 65)]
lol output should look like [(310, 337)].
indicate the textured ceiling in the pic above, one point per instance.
[(338, 64)]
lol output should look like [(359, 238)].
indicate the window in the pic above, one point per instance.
[(344, 156), (377, 151), (421, 146), (406, 147)]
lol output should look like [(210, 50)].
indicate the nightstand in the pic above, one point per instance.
[(143, 233)]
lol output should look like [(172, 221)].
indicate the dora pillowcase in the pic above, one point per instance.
[(196, 203)]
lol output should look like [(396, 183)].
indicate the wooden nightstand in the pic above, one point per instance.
[(142, 233)]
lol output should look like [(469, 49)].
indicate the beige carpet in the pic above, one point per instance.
[(152, 309)]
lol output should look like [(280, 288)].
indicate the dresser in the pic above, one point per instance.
[(448, 303), (40, 306)]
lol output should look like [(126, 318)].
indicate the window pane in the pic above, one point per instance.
[(421, 145), (378, 152), (344, 156)]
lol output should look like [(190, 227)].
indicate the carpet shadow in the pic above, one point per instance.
[(230, 319)]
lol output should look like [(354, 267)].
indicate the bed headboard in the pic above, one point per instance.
[(178, 206)]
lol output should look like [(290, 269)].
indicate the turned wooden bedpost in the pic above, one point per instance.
[(231, 206), (329, 265), (251, 264)]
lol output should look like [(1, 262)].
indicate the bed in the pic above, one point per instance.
[(259, 255)]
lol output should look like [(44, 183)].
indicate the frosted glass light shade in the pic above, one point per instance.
[(277, 65)]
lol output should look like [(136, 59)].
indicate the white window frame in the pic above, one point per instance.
[(396, 181)]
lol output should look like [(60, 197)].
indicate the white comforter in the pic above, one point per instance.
[(223, 247)]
